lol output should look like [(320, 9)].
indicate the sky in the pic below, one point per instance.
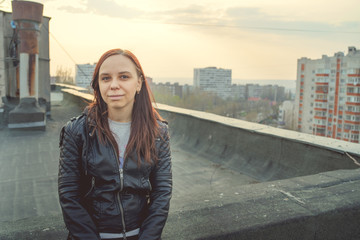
[(257, 39)]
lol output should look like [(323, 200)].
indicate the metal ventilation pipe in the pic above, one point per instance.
[(28, 17)]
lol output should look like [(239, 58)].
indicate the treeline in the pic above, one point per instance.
[(254, 111)]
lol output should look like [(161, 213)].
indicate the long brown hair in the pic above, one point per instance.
[(144, 126)]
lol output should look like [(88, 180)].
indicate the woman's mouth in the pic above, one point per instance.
[(116, 97)]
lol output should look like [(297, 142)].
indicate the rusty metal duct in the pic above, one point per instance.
[(28, 17)]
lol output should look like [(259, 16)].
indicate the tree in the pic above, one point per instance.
[(63, 75)]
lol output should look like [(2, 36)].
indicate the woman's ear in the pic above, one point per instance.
[(139, 84)]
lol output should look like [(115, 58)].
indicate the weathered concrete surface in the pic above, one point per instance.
[(213, 198), (262, 152), (303, 208)]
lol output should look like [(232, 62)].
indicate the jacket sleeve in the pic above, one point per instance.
[(76, 217), (161, 181)]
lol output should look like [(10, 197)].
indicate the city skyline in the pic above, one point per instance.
[(256, 39)]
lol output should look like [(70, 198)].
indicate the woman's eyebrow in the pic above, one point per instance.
[(122, 72)]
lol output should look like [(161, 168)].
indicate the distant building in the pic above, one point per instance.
[(168, 88), (256, 92), (327, 101), (274, 93), (238, 92), (212, 79), (149, 81), (83, 75), (253, 91), (187, 89), (286, 118)]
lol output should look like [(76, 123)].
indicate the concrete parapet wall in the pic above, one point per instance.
[(309, 186), (262, 152), (324, 206)]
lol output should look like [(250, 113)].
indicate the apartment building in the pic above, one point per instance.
[(327, 101), (212, 79), (83, 75)]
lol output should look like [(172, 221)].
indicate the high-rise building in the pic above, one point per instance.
[(327, 101), (212, 79), (286, 115), (84, 73)]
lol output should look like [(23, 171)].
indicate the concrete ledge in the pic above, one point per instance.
[(323, 142), (255, 150), (296, 209), (68, 86), (303, 208)]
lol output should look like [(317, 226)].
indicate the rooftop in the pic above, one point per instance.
[(232, 179)]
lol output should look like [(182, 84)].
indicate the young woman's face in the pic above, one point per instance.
[(118, 83)]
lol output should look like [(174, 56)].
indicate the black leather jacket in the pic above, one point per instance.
[(96, 196)]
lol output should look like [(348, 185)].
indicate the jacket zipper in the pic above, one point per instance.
[(92, 186), (150, 185), (121, 173)]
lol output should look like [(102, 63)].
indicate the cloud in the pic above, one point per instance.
[(112, 9), (255, 19), (105, 8), (72, 9), (242, 18)]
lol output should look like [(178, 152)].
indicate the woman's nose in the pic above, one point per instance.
[(114, 84)]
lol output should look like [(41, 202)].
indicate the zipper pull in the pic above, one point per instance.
[(121, 173), (92, 181)]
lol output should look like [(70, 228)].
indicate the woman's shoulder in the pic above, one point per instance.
[(163, 129), (163, 125), (76, 124)]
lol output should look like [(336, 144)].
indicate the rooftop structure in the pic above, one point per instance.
[(24, 69), (232, 180)]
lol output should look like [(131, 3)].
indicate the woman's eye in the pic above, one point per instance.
[(124, 77), (105, 78)]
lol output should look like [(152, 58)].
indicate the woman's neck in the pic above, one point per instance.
[(119, 116)]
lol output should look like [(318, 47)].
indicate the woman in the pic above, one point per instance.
[(115, 177)]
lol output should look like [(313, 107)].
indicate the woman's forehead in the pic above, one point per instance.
[(117, 63)]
